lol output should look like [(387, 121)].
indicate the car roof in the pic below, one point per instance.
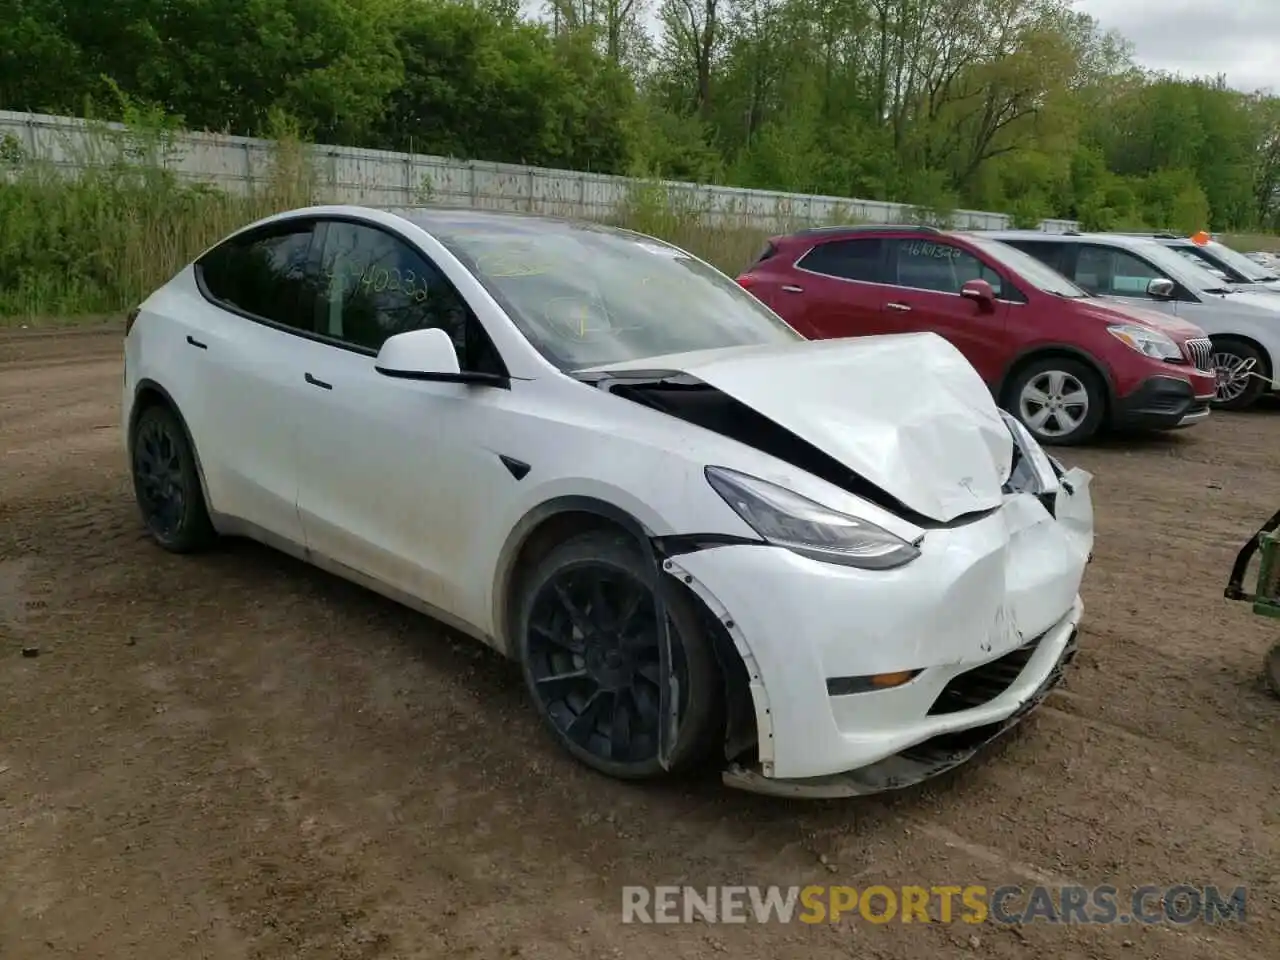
[(1129, 241), (445, 220)]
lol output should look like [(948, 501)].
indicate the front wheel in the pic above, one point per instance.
[(166, 482), (1060, 400), (589, 643), (1237, 366)]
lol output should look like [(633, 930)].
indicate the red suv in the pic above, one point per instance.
[(1064, 362)]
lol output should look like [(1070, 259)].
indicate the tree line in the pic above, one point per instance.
[(1023, 106)]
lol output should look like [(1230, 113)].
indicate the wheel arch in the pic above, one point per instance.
[(148, 393), (1062, 350), (1268, 359), (551, 522), (535, 534)]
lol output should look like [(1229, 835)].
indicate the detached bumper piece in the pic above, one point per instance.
[(934, 756)]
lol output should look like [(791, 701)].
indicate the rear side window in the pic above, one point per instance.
[(860, 259), (264, 274), (768, 253)]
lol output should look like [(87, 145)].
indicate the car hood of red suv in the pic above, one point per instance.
[(1116, 311)]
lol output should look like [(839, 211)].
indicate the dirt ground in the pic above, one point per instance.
[(234, 755)]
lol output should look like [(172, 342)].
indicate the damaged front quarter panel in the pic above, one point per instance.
[(748, 717)]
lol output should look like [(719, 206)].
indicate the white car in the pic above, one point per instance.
[(828, 568)]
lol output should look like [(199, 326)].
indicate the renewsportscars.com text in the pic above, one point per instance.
[(973, 904)]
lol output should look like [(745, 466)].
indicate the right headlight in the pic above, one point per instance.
[(786, 519), (1146, 341), (1033, 469)]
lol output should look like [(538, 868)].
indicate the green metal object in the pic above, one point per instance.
[(1266, 593), (1266, 596)]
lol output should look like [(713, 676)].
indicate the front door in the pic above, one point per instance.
[(928, 275), (251, 382), (393, 478)]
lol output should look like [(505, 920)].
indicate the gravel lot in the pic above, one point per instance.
[(237, 756)]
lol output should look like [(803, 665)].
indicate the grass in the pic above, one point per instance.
[(73, 249), (76, 249)]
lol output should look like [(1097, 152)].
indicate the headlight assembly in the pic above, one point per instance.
[(1033, 469), (786, 519), (1153, 343)]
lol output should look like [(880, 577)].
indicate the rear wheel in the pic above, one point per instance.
[(166, 482), (1060, 400), (589, 645), (1234, 364)]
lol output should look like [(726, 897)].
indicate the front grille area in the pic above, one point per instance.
[(983, 684), (1200, 353)]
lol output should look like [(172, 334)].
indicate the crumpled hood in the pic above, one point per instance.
[(906, 412)]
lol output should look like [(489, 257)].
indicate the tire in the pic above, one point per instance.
[(1054, 378), (166, 483), (610, 670), (1229, 353)]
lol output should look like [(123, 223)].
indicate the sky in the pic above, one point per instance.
[(1240, 38)]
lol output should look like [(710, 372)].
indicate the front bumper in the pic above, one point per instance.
[(1164, 403), (976, 595)]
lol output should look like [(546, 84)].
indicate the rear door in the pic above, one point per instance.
[(927, 276), (260, 306), (835, 289)]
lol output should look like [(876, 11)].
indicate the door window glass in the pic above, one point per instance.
[(930, 265), (846, 259), (264, 274), (1112, 272), (374, 286)]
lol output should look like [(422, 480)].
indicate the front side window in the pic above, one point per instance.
[(859, 259), (1109, 271), (374, 285), (941, 267), (263, 274)]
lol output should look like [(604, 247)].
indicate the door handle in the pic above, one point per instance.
[(792, 288), (900, 307), (196, 343), (318, 383)]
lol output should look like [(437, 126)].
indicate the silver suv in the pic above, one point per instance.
[(1243, 323)]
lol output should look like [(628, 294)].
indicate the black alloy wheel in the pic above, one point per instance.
[(166, 482), (592, 658)]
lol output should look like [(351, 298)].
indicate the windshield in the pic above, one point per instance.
[(1196, 257), (1024, 265), (1175, 267), (586, 296), (1240, 263)]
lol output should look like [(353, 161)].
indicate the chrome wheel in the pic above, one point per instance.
[(1053, 403), (1233, 373)]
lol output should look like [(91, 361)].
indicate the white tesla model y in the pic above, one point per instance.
[(829, 568)]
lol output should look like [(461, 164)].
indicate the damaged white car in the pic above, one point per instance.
[(829, 568)]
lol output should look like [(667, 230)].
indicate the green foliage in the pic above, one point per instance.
[(1022, 106)]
